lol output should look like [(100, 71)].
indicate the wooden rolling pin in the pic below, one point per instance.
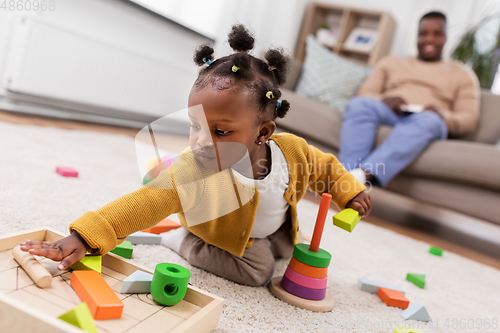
[(35, 270)]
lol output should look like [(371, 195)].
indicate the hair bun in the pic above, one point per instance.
[(240, 39), (281, 111), (279, 60), (203, 51)]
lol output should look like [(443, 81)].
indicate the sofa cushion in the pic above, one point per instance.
[(311, 119), (471, 200), (327, 78)]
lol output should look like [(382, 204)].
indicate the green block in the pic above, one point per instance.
[(316, 259), (346, 219), (88, 263), (124, 249), (417, 279), (80, 317), (437, 251), (169, 284)]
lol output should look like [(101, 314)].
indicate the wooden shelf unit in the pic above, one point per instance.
[(347, 19)]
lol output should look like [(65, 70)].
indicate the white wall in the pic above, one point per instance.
[(114, 23)]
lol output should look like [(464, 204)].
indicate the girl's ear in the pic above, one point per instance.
[(267, 129)]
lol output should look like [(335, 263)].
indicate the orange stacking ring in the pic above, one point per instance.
[(310, 271)]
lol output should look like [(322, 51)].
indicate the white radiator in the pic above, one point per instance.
[(58, 63)]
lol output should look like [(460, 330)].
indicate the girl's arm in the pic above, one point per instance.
[(326, 174)]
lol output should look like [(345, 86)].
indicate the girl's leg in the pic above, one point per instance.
[(255, 268)]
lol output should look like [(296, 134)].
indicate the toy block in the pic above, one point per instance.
[(372, 286), (141, 237), (346, 219), (305, 281), (416, 311), (124, 249), (138, 282), (39, 274), (321, 258), (88, 263), (100, 298), (302, 292), (80, 317), (437, 251), (67, 172), (407, 330), (304, 269), (163, 226), (417, 279), (393, 298), (169, 284)]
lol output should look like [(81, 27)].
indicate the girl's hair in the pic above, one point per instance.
[(243, 70)]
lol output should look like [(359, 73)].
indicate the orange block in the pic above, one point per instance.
[(163, 226), (307, 270), (393, 298), (100, 298)]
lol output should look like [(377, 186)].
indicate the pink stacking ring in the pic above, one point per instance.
[(303, 292), (305, 281)]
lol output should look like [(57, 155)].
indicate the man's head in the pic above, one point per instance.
[(431, 36)]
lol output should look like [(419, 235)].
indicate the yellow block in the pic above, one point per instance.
[(88, 263), (346, 219)]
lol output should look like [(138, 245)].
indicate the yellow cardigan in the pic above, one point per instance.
[(215, 206)]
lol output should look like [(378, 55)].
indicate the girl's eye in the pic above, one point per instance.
[(223, 132), (196, 128)]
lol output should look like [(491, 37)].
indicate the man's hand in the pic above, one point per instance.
[(67, 250), (432, 108), (395, 104), (362, 203)]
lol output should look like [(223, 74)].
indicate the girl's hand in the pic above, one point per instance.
[(362, 203), (67, 250)]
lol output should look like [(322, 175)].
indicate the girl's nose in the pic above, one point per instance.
[(205, 140)]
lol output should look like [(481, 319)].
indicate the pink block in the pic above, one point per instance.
[(305, 281), (67, 172)]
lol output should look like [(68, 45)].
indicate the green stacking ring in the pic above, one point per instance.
[(169, 284), (316, 259)]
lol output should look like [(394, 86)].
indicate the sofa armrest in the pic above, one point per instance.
[(489, 124)]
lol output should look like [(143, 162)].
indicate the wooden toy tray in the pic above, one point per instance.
[(24, 307)]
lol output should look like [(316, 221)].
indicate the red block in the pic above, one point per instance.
[(163, 226), (67, 172), (100, 298), (393, 298)]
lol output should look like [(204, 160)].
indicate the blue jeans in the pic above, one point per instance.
[(410, 136)]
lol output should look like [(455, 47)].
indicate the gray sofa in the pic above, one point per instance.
[(455, 175)]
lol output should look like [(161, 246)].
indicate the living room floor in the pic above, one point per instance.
[(472, 254)]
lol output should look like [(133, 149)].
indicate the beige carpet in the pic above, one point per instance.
[(32, 195)]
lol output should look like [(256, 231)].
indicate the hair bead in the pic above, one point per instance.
[(270, 94), (278, 104), (235, 68), (207, 61)]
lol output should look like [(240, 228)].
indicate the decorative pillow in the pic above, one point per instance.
[(327, 78)]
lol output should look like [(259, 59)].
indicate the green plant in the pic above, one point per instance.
[(483, 61)]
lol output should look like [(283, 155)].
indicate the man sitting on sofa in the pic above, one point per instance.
[(444, 94)]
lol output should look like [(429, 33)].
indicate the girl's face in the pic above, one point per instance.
[(224, 127)]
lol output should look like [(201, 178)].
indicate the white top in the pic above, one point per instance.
[(273, 207)]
